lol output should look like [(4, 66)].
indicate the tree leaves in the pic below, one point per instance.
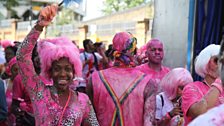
[(112, 6)]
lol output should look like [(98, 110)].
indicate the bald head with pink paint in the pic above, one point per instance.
[(155, 52)]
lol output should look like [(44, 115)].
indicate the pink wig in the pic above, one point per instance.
[(119, 41), (51, 50), (6, 43), (176, 77), (203, 58)]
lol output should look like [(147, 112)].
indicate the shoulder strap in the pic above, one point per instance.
[(118, 114), (161, 96), (95, 61), (85, 55)]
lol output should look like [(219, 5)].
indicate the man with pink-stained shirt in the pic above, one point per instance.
[(155, 55), (122, 95)]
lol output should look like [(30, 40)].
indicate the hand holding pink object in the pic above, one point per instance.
[(47, 14)]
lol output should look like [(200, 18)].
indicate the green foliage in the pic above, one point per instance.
[(133, 3), (119, 5), (8, 4), (65, 16), (38, 3), (14, 14)]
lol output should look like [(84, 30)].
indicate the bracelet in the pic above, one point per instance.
[(218, 86)]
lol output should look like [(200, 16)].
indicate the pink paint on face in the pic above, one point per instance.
[(155, 52)]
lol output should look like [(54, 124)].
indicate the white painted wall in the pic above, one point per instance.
[(171, 26)]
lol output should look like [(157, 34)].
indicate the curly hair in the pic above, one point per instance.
[(51, 50)]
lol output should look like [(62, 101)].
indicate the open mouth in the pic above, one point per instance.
[(157, 57), (62, 82)]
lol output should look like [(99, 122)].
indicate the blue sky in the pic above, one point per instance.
[(93, 9)]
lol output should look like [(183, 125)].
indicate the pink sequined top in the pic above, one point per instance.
[(193, 93), (47, 110), (136, 107)]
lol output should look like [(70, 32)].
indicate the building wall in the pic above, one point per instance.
[(8, 29), (134, 14), (136, 20), (171, 26)]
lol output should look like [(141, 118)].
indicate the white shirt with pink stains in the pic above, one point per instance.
[(214, 117)]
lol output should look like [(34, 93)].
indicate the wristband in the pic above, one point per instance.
[(218, 86)]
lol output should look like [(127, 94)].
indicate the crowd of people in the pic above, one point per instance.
[(51, 82)]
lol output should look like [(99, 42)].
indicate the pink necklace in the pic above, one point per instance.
[(60, 119)]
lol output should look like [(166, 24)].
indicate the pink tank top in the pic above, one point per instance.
[(119, 99)]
